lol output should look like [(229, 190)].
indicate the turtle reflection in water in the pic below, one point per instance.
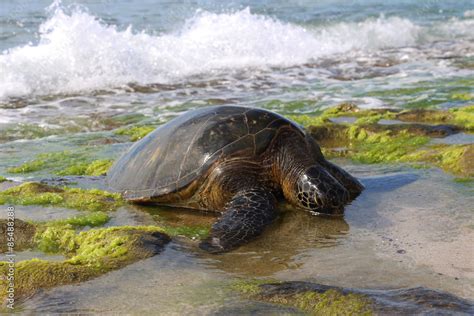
[(234, 160)]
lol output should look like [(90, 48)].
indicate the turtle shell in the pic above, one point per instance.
[(182, 150)]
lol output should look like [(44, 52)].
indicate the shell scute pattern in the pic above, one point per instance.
[(182, 150)]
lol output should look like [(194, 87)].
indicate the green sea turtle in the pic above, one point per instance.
[(234, 160)]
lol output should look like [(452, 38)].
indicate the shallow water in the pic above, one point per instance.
[(397, 234)]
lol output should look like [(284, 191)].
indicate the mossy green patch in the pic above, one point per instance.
[(305, 120), (32, 193), (198, 232), (90, 254), (384, 147), (368, 142), (136, 132), (65, 163), (3, 179), (27, 131), (462, 96), (329, 302), (463, 116), (95, 168), (464, 180), (91, 219), (457, 159), (248, 287)]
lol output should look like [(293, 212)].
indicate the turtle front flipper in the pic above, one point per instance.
[(245, 217)]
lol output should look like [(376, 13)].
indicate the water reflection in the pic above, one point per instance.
[(282, 244)]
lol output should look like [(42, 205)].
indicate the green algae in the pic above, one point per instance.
[(463, 116), (366, 141), (425, 102), (457, 159), (464, 180), (32, 193), (305, 120), (384, 147), (89, 254), (65, 163), (92, 220), (29, 166), (3, 179), (94, 168), (136, 132), (329, 302), (462, 96), (77, 125), (248, 287), (194, 232), (27, 131)]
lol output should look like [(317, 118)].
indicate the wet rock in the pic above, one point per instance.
[(90, 254), (400, 301), (23, 235)]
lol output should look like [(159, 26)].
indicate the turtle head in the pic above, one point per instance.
[(318, 191)]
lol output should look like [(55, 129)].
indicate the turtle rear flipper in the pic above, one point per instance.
[(244, 218)]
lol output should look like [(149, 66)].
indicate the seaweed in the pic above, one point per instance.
[(32, 193)]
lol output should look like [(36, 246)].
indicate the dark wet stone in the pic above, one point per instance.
[(153, 243), (401, 251), (401, 301)]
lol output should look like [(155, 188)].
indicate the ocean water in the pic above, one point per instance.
[(64, 60)]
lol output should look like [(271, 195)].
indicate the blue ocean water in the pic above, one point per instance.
[(156, 57)]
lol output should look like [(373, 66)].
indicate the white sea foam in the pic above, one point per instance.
[(469, 14), (77, 52)]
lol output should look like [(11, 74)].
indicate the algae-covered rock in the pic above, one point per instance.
[(136, 132), (65, 163), (90, 254), (32, 193), (462, 116), (406, 139), (321, 300), (318, 299), (17, 233)]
